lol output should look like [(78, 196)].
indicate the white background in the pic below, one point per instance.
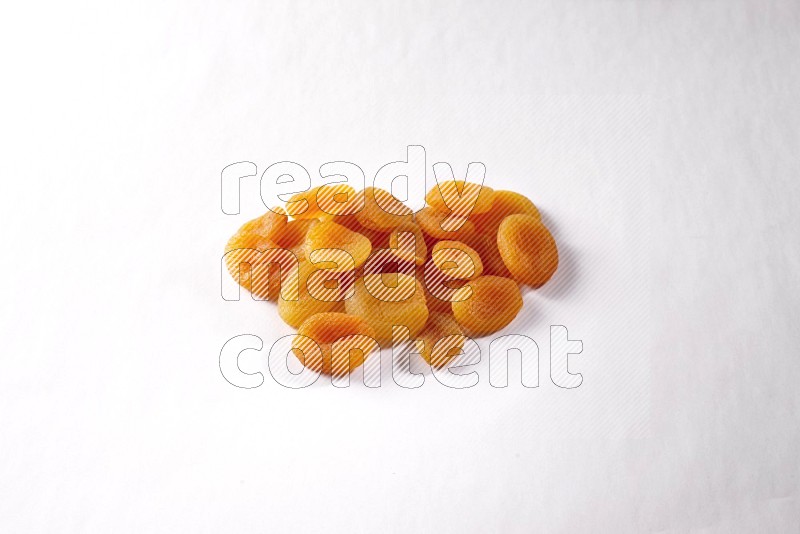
[(660, 140)]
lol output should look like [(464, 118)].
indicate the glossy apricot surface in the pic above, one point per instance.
[(495, 302), (344, 341)]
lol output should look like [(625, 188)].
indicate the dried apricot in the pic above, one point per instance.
[(434, 304), (419, 248), (441, 286), (391, 261), (490, 255), (442, 339), (293, 236), (459, 259), (344, 340), (460, 197), (264, 229), (382, 211), (348, 221), (505, 203), (246, 255), (494, 302), (430, 221), (378, 239), (334, 199), (528, 249), (383, 304), (261, 279), (308, 302), (351, 266), (331, 242)]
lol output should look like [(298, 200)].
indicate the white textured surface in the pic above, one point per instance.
[(660, 139)]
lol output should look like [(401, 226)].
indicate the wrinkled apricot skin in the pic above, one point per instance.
[(442, 287), (294, 312), (434, 304), (263, 281), (460, 197), (331, 199), (442, 339), (259, 233), (294, 237), (505, 203), (331, 240), (244, 252), (378, 239), (490, 255), (382, 211), (348, 221), (528, 249), (420, 248), (458, 259), (430, 221), (403, 305), (308, 303), (345, 342), (494, 303)]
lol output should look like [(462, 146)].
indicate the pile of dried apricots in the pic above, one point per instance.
[(353, 272)]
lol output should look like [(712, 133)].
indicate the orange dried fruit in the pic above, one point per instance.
[(378, 239), (442, 339), (331, 242), (490, 255), (418, 252), (505, 203), (294, 312), (459, 259), (494, 302), (351, 266), (298, 301), (382, 211), (294, 232), (436, 304), (293, 236), (528, 249), (385, 300), (332, 199), (348, 221), (345, 341), (431, 221), (260, 231), (441, 286), (460, 197), (251, 251)]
